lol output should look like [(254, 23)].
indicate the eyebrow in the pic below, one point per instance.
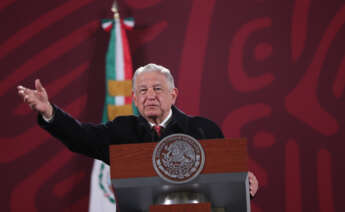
[(145, 86)]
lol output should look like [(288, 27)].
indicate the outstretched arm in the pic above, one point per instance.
[(89, 139)]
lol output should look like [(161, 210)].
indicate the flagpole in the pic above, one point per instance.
[(102, 198), (118, 73), (115, 11)]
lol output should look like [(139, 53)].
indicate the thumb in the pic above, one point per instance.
[(38, 85)]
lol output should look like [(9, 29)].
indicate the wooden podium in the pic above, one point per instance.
[(223, 180)]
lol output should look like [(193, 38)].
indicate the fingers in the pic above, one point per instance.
[(28, 96), (36, 99), (24, 92), (38, 85), (253, 184), (21, 90)]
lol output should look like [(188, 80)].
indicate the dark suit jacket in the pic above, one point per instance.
[(93, 140)]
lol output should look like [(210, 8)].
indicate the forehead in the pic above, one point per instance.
[(151, 78)]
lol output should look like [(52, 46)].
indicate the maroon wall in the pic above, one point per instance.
[(271, 71)]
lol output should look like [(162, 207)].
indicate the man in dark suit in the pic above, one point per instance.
[(154, 94)]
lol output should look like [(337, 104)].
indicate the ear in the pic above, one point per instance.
[(134, 97), (174, 94)]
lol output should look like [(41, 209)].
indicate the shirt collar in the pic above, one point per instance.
[(164, 123)]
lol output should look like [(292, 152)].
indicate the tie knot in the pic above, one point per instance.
[(157, 129)]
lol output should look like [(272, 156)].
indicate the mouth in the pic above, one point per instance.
[(151, 106)]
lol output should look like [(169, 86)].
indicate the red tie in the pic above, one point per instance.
[(158, 130)]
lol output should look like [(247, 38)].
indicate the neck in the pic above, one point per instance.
[(155, 120), (159, 120)]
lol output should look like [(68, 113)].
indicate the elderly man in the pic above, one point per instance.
[(154, 95)]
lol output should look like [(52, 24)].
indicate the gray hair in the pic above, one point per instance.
[(151, 67)]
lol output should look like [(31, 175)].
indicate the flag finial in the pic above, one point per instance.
[(115, 10)]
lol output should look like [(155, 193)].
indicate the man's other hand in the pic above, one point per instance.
[(253, 184)]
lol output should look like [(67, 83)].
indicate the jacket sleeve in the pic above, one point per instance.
[(88, 139), (207, 128), (213, 131)]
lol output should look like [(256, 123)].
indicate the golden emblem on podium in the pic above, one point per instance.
[(178, 158)]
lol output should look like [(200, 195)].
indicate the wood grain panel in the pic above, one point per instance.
[(135, 160)]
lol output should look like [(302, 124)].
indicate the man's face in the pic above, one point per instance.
[(153, 97)]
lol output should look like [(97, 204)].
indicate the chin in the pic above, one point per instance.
[(152, 114)]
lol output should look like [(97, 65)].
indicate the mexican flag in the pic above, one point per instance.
[(118, 102)]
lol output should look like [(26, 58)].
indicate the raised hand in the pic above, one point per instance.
[(37, 99), (253, 184)]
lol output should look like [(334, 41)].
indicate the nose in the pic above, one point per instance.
[(151, 94)]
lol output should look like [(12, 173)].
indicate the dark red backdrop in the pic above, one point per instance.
[(271, 71)]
